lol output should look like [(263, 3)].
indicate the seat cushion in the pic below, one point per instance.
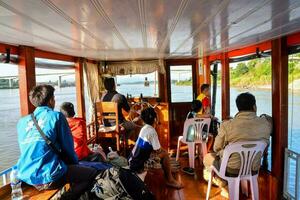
[(107, 129)]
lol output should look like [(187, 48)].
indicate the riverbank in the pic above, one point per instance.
[(295, 86)]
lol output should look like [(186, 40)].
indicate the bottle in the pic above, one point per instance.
[(15, 183), (112, 154)]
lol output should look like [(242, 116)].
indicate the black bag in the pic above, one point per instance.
[(135, 187), (57, 151), (214, 127)]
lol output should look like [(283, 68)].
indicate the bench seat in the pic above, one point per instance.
[(31, 193)]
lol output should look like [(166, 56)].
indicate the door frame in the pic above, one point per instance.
[(193, 63)]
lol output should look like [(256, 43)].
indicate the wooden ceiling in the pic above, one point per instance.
[(145, 29)]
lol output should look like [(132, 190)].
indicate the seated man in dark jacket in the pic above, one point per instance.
[(39, 165), (111, 95)]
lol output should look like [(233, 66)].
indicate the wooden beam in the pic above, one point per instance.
[(225, 86), (13, 49), (53, 56), (80, 88), (26, 78), (279, 110), (207, 70)]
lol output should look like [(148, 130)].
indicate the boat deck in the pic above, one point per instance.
[(194, 187)]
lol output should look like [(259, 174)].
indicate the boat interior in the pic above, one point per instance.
[(100, 38)]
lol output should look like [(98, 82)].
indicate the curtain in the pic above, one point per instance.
[(94, 85), (134, 67)]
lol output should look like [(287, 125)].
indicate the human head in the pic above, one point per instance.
[(109, 84), (205, 89), (246, 102), (196, 106), (67, 108), (42, 95), (149, 115)]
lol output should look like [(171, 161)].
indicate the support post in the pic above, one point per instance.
[(279, 112), (207, 70), (225, 86), (79, 88), (26, 78)]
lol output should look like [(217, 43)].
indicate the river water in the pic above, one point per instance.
[(10, 113)]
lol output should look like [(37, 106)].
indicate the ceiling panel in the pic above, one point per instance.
[(142, 29)]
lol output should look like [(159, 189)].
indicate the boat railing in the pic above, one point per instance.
[(5, 177), (291, 186), (91, 132)]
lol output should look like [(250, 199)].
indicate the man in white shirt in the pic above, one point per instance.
[(148, 143)]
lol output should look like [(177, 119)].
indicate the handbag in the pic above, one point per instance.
[(57, 151)]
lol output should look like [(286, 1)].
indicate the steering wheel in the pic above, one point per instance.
[(136, 111)]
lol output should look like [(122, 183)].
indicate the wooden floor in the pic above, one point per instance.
[(194, 187)]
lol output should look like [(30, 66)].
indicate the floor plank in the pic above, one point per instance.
[(194, 187)]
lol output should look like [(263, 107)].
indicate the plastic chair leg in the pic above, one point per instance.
[(209, 185), (204, 149), (244, 185), (234, 189), (254, 188), (191, 147), (178, 149)]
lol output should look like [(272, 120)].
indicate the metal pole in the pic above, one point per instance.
[(214, 92)]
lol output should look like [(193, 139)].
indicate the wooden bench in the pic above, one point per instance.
[(31, 193)]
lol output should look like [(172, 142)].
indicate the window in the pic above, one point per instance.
[(59, 74), (137, 84), (294, 103), (293, 120), (9, 115), (254, 76), (181, 78)]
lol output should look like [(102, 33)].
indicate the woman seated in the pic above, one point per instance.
[(147, 144), (78, 128)]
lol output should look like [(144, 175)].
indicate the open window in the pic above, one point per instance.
[(9, 115), (136, 85)]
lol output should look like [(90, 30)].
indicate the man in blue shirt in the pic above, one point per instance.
[(38, 164)]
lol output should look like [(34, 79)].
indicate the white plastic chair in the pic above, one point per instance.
[(200, 137), (247, 151)]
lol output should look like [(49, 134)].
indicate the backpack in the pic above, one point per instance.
[(137, 189), (120, 184)]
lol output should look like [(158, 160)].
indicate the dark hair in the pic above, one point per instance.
[(204, 86), (67, 108), (196, 106), (40, 95), (149, 115), (109, 84), (245, 101)]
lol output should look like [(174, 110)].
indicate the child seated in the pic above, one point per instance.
[(196, 107), (78, 129), (148, 143)]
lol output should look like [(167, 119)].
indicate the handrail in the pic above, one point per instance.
[(5, 175)]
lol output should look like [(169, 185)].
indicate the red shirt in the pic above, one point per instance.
[(78, 128)]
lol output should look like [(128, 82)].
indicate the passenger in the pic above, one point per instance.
[(245, 126), (79, 132), (112, 95), (196, 110), (204, 97), (147, 144), (194, 113), (40, 164)]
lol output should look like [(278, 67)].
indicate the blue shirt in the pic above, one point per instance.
[(38, 164), (145, 144)]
